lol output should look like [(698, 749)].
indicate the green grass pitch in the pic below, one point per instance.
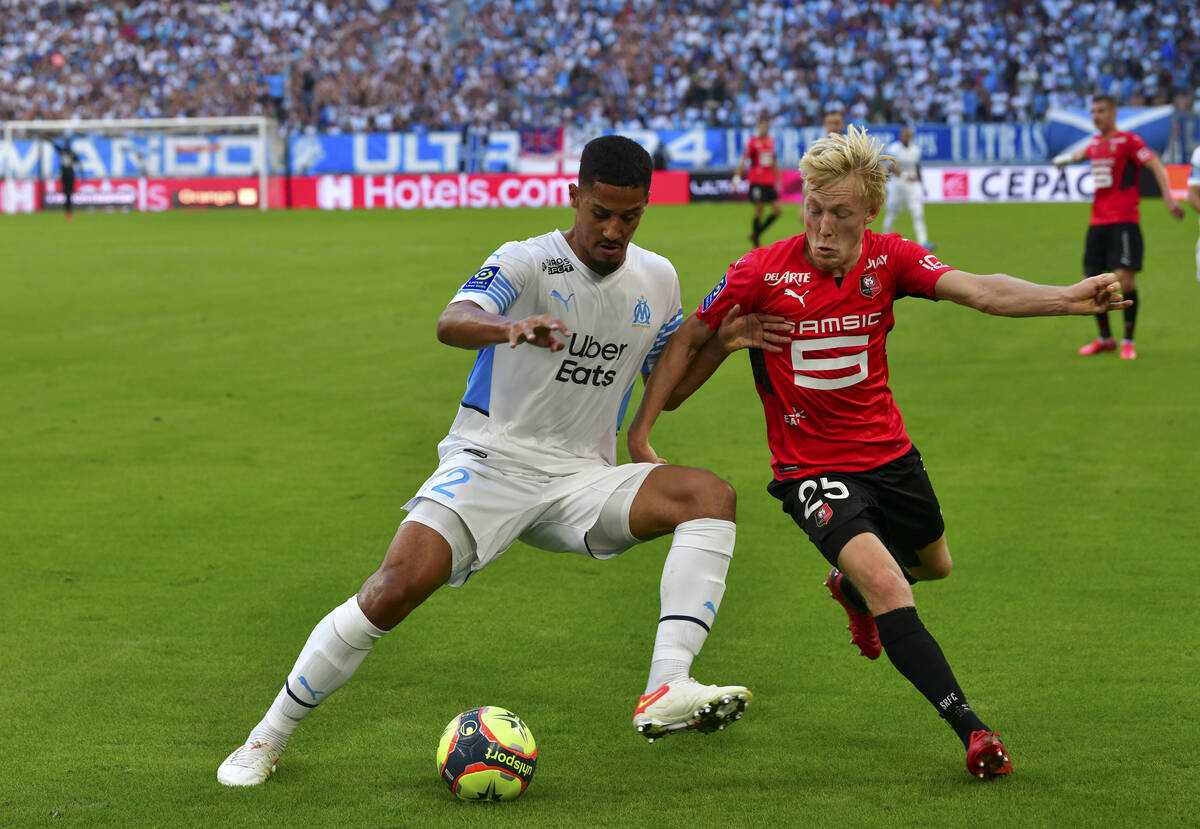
[(209, 423)]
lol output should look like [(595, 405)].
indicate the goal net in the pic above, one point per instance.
[(140, 163)]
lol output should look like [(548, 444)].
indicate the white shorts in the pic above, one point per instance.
[(905, 195), (501, 501)]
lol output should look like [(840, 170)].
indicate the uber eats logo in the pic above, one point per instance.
[(598, 356)]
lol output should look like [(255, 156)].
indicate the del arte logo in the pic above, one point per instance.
[(787, 278)]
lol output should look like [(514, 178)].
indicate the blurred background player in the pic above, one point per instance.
[(762, 176), (67, 159), (1114, 238), (844, 466), (833, 122), (531, 455), (1193, 196), (905, 188)]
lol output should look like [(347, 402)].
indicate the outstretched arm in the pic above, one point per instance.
[(1164, 184), (1007, 296), (466, 325), (1063, 159)]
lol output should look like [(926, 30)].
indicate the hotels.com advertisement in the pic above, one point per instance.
[(327, 192), (961, 185)]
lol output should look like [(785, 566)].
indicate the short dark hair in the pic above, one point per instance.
[(615, 160), (1106, 99)]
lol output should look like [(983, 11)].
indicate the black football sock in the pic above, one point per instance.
[(756, 227), (1105, 331), (915, 653), (1131, 315), (767, 222)]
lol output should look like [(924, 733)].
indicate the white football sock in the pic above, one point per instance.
[(919, 227), (334, 650), (693, 581)]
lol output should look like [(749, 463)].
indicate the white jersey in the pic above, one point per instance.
[(1194, 173), (907, 159), (559, 411)]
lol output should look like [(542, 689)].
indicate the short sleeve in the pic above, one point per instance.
[(1194, 173), (737, 287), (496, 285), (918, 270), (1138, 148)]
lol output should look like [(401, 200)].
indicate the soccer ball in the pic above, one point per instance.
[(487, 753)]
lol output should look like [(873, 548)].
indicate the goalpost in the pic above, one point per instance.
[(140, 149)]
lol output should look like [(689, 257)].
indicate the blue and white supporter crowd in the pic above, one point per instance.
[(384, 65)]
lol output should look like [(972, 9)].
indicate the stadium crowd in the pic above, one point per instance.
[(395, 64)]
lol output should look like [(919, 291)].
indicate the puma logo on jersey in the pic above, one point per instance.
[(566, 301), (800, 297)]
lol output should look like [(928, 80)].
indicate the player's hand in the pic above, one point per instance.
[(538, 330), (1096, 294), (737, 180), (764, 331), (640, 450), (1175, 210)]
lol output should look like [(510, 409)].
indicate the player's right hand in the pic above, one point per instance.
[(737, 180), (538, 330), (765, 331)]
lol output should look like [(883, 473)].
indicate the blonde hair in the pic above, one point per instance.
[(835, 157)]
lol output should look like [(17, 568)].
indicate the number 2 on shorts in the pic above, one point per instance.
[(452, 478)]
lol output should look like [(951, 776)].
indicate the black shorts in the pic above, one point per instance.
[(895, 501), (763, 193), (1109, 247)]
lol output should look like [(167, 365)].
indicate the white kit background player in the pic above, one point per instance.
[(563, 324), (1193, 196), (905, 190)]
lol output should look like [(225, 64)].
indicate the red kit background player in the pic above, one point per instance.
[(1114, 238), (763, 178)]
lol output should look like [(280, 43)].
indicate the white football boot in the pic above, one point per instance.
[(249, 765), (686, 705)]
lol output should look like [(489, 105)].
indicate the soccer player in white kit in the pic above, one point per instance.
[(905, 190), (1193, 196), (563, 324)]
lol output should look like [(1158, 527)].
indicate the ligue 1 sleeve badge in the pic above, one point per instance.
[(868, 285)]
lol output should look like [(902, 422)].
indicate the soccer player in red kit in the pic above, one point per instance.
[(816, 309), (763, 177), (1114, 239)]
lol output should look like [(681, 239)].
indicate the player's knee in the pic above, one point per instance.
[(938, 569), (708, 496), (884, 588)]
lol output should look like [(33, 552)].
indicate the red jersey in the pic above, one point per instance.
[(826, 399), (760, 152), (1116, 162)]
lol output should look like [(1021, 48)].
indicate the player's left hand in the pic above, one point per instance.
[(1175, 210), (1096, 294), (756, 330), (640, 450)]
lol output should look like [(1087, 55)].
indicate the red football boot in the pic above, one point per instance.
[(862, 625), (986, 757)]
